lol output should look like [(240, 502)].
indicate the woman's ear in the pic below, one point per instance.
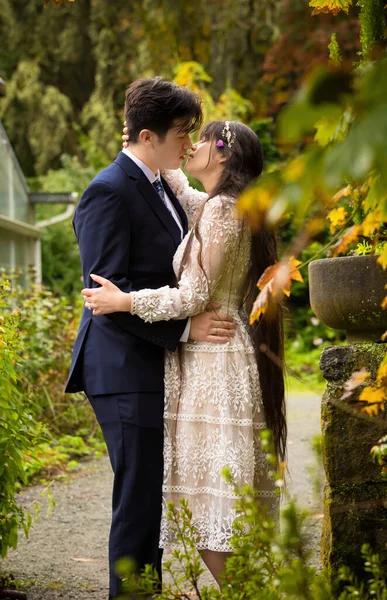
[(221, 158)]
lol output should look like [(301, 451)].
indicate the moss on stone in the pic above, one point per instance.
[(355, 494)]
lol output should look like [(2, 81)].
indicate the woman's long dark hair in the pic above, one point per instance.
[(243, 165)]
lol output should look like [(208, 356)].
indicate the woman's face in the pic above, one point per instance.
[(204, 157)]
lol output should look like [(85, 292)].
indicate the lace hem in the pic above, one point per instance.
[(226, 547), (214, 420), (196, 491)]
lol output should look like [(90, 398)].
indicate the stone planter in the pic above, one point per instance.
[(346, 293)]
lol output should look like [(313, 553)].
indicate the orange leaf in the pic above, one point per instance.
[(343, 193), (384, 304), (261, 303), (349, 238)]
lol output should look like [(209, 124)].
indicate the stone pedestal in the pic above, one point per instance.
[(355, 494)]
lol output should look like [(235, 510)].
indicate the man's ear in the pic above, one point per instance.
[(146, 137)]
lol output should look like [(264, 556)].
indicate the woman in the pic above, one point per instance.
[(218, 397)]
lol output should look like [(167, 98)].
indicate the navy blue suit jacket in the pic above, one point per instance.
[(126, 234)]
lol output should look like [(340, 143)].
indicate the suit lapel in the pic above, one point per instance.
[(178, 207), (151, 196), (149, 193)]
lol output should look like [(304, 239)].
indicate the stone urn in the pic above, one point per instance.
[(346, 293)]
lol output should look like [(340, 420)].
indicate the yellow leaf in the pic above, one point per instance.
[(372, 222), (373, 398), (384, 336), (330, 6), (254, 203), (294, 170), (337, 217), (384, 303), (316, 225), (382, 260), (326, 129)]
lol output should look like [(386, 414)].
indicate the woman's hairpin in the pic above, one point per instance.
[(227, 135)]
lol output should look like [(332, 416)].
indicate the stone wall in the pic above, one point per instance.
[(355, 493)]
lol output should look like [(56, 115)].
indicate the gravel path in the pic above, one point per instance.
[(66, 553)]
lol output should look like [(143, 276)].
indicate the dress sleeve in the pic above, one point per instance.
[(190, 198), (219, 229)]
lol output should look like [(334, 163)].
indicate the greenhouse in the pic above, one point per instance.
[(19, 235)]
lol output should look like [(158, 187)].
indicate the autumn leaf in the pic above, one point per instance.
[(372, 222), (255, 202), (384, 304), (274, 282), (294, 170), (382, 260), (337, 217), (330, 6), (282, 275), (373, 399), (343, 193), (384, 336), (356, 379), (261, 304), (349, 238)]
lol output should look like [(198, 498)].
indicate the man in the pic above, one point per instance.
[(129, 224)]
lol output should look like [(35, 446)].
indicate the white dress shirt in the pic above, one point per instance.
[(152, 177)]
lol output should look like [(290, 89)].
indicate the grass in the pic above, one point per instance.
[(304, 371)]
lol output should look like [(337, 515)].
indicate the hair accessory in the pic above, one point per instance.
[(226, 133), (220, 144)]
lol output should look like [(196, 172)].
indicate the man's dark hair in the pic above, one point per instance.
[(157, 104)]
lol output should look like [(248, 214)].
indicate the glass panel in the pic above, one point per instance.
[(5, 249), (4, 198), (9, 171), (16, 252), (22, 212)]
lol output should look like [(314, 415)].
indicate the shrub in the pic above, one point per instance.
[(47, 327), (19, 430)]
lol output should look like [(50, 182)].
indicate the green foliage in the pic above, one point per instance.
[(47, 328), (372, 25), (265, 130), (265, 563), (44, 112), (363, 248), (61, 266), (69, 66), (19, 431), (334, 50)]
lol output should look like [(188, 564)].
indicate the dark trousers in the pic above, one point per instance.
[(136, 455)]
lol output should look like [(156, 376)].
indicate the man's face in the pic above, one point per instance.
[(172, 150)]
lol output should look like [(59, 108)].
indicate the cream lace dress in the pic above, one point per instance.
[(213, 406)]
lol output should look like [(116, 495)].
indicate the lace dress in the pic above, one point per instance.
[(213, 405)]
